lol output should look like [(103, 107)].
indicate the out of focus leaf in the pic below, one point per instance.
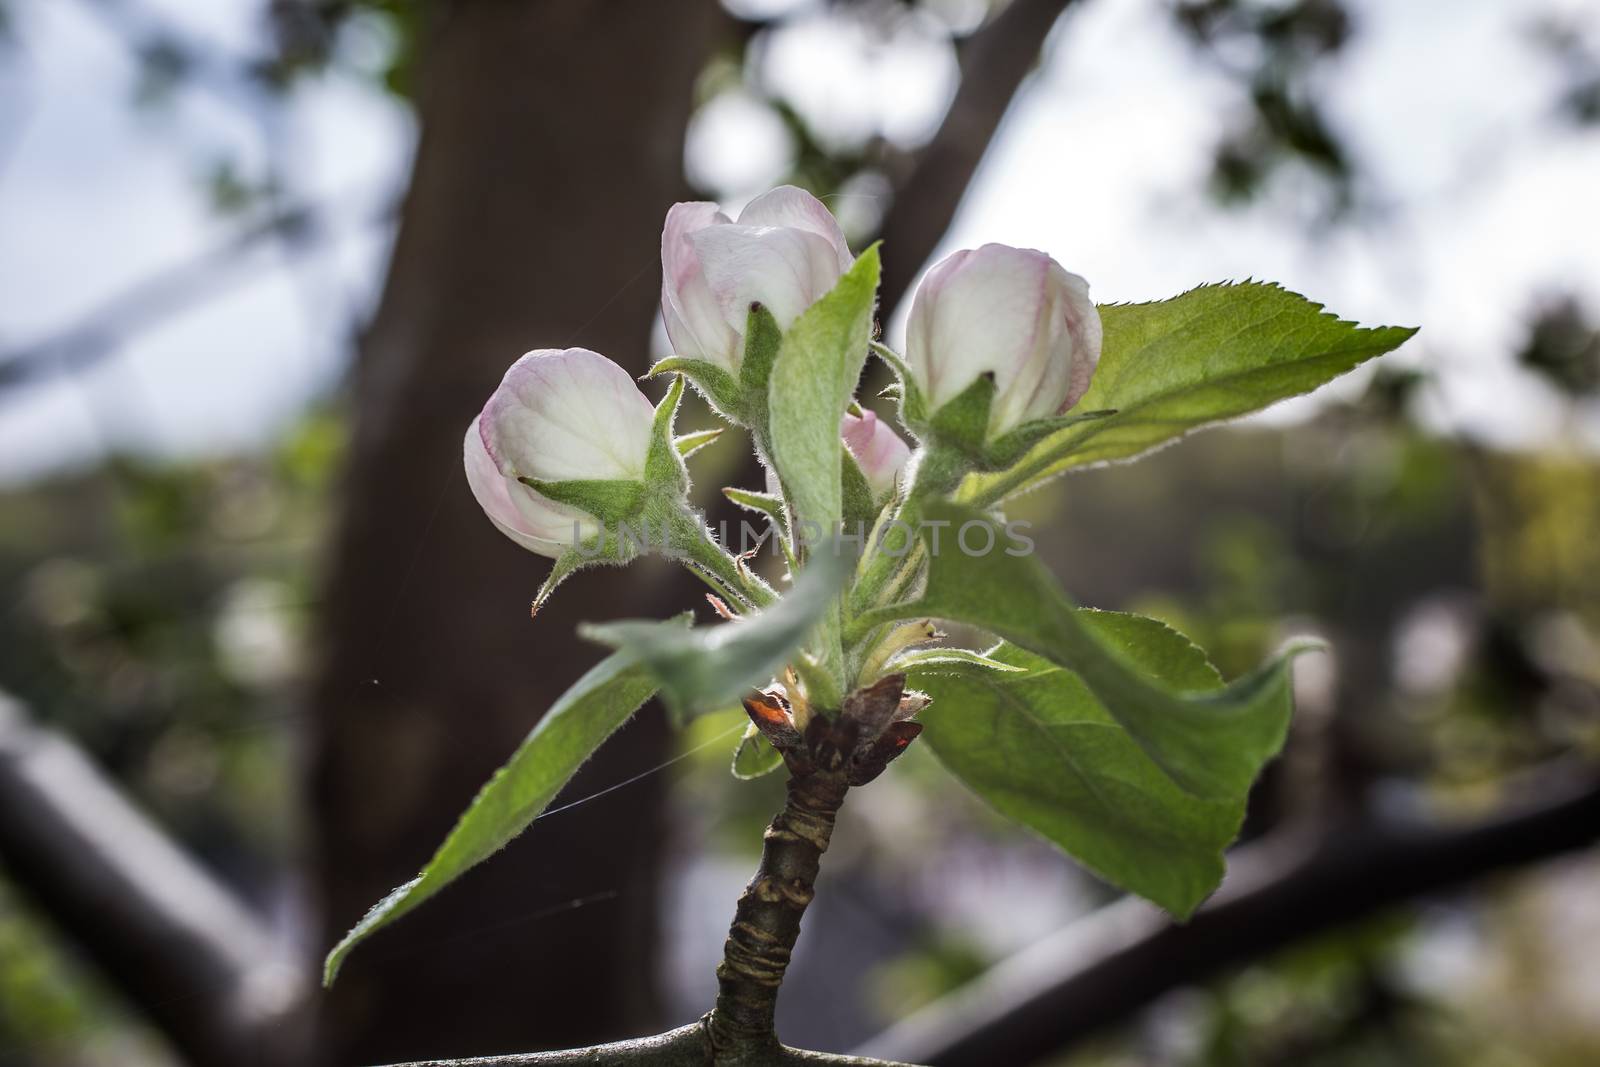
[(587, 714), (707, 668)]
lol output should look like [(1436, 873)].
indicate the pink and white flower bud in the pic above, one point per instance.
[(879, 451), (785, 251), (558, 415), (1011, 311)]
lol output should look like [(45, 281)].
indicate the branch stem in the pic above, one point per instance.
[(766, 923)]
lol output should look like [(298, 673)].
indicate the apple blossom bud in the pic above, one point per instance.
[(785, 251), (558, 415), (879, 452), (1013, 312)]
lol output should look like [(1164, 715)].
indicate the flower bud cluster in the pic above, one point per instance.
[(1003, 338)]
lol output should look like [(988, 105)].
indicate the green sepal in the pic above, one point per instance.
[(860, 509), (766, 504), (741, 398), (612, 501), (567, 564), (690, 443), (762, 339), (774, 509), (962, 423), (664, 470), (711, 380), (755, 757), (906, 392)]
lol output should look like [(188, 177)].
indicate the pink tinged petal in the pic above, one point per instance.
[(788, 206), (785, 270), (546, 532), (1010, 311), (1082, 324), (878, 450), (567, 414), (920, 328), (693, 318)]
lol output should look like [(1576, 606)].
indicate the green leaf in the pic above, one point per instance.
[(570, 731), (1039, 747), (1213, 353), (755, 756), (1211, 742), (816, 373), (1006, 451), (704, 669)]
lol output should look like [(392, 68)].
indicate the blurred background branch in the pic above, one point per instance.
[(177, 943), (1294, 885)]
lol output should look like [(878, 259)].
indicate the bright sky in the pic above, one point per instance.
[(1486, 206)]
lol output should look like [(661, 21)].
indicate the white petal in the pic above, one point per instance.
[(1012, 312), (693, 318), (784, 269), (792, 207), (568, 414), (546, 534)]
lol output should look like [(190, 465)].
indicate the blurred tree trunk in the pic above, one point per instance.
[(551, 147)]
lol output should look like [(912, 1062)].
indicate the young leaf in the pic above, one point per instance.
[(570, 731), (1039, 747), (708, 668), (755, 755), (813, 378), (1212, 743), (1213, 353), (960, 660)]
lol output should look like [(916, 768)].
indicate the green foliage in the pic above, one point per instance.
[(755, 756), (701, 670), (1211, 742), (818, 366), (588, 713), (1213, 353), (1037, 744)]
